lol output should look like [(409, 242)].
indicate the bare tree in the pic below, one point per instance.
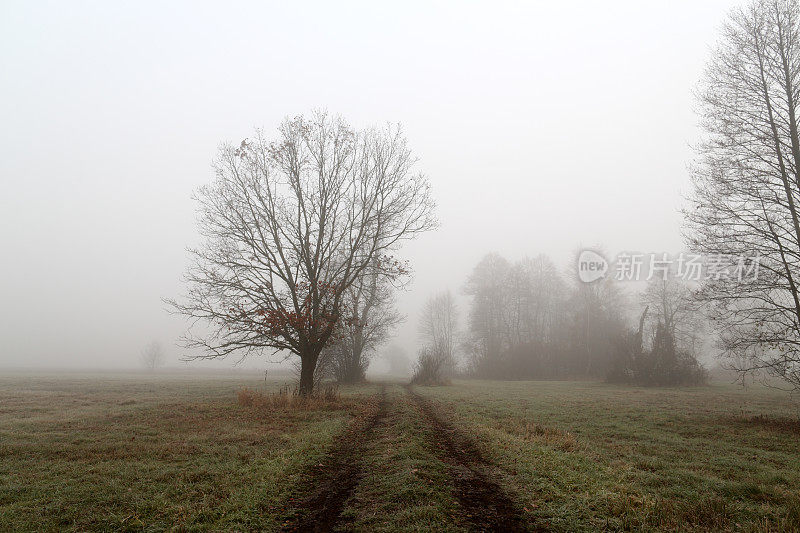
[(152, 356), (366, 323), (513, 308), (488, 315), (430, 368), (671, 303), (438, 325), (290, 226), (536, 295), (598, 316), (747, 187)]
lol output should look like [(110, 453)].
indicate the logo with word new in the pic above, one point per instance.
[(591, 266)]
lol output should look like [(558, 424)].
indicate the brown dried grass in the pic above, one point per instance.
[(288, 397)]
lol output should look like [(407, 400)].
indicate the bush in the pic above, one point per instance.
[(325, 397), (663, 365), (429, 369)]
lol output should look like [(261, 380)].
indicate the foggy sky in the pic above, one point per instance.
[(541, 125)]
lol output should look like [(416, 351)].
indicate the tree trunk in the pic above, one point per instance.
[(308, 364), (355, 374)]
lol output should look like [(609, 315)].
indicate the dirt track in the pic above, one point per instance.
[(485, 506), (332, 482)]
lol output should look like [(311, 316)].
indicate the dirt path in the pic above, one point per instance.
[(333, 481), (331, 484), (486, 505)]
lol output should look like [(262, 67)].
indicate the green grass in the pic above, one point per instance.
[(139, 452), (584, 456), (405, 487)]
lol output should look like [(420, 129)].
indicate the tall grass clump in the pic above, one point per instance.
[(326, 396)]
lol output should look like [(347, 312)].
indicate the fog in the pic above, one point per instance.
[(541, 126)]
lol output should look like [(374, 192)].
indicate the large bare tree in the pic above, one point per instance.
[(290, 225), (747, 187)]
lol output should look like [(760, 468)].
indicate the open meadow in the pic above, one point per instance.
[(400, 266), (180, 452)]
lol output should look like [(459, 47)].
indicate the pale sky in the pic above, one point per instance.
[(541, 126)]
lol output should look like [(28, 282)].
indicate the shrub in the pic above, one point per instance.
[(429, 369), (326, 396), (663, 365)]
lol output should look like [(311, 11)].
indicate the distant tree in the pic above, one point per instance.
[(672, 303), (438, 328), (430, 368), (152, 356), (747, 188), (368, 319), (516, 316), (668, 355), (665, 363), (629, 352), (597, 317), (537, 296), (489, 320), (290, 227), (526, 321)]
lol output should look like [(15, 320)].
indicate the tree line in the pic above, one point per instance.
[(527, 321)]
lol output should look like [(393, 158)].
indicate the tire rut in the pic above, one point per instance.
[(486, 505), (333, 481)]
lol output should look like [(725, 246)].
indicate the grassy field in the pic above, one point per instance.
[(588, 456), (177, 452)]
